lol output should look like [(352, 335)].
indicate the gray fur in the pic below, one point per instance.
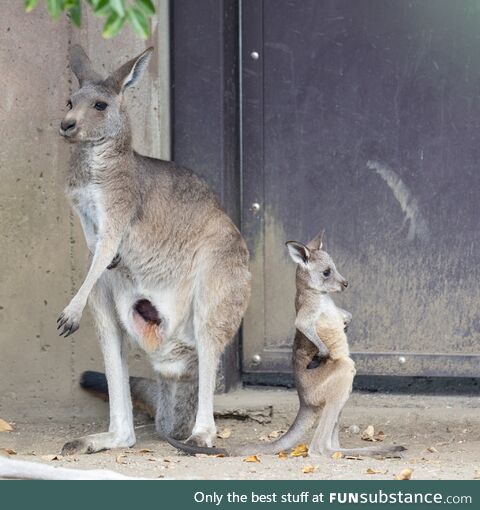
[(173, 245)]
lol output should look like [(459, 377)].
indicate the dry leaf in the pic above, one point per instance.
[(432, 449), (51, 457), (353, 457), (337, 455), (371, 471), (121, 459), (380, 436), (283, 455), (251, 458), (368, 433), (145, 450), (300, 450), (405, 474), (225, 433), (219, 455), (309, 469), (5, 426), (9, 451), (275, 434)]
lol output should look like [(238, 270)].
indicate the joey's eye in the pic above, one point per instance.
[(69, 105), (327, 272), (100, 105)]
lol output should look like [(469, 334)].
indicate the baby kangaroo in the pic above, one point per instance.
[(323, 384)]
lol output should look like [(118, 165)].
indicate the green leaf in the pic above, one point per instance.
[(76, 14), (103, 8), (138, 21), (54, 8), (146, 6), (113, 25), (118, 7), (30, 5)]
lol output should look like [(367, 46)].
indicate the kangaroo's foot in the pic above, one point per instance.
[(203, 436), (98, 442)]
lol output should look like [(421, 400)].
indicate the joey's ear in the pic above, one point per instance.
[(317, 242), (299, 252), (128, 74), (81, 66)]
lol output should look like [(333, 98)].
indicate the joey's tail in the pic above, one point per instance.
[(305, 419), (144, 391)]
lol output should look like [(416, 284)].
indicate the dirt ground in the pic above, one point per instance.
[(442, 435)]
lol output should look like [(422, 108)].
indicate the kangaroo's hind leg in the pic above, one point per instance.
[(120, 432), (219, 304)]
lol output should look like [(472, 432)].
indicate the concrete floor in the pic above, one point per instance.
[(442, 435)]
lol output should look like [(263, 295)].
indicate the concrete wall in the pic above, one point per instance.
[(43, 254)]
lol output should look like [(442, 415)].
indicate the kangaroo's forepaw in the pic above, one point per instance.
[(69, 321), (202, 437), (114, 263)]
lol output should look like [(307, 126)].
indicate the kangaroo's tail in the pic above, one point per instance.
[(143, 390), (305, 419)]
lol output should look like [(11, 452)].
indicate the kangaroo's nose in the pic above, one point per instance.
[(345, 283), (67, 125)]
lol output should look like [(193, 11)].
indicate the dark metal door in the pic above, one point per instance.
[(363, 117)]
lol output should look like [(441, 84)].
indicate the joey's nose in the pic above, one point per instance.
[(345, 283), (67, 125)]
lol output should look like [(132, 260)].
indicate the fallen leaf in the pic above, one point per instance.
[(251, 458), (145, 450), (432, 449), (219, 455), (405, 474), (337, 455), (5, 426), (300, 450), (275, 434), (309, 469), (52, 457), (371, 471), (368, 433), (9, 451), (225, 433), (283, 455), (121, 459), (353, 457), (380, 436)]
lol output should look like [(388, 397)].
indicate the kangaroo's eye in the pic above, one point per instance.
[(100, 106), (69, 104), (327, 273)]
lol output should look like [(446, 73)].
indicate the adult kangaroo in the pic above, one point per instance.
[(178, 281)]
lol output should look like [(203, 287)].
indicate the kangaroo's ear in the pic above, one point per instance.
[(128, 74), (81, 66), (299, 252), (317, 242)]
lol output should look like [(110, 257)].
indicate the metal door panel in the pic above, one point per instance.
[(362, 117)]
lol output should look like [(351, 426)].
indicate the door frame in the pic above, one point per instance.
[(205, 134)]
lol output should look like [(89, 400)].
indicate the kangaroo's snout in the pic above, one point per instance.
[(345, 283), (67, 126)]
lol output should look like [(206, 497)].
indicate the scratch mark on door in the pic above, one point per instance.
[(418, 227)]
